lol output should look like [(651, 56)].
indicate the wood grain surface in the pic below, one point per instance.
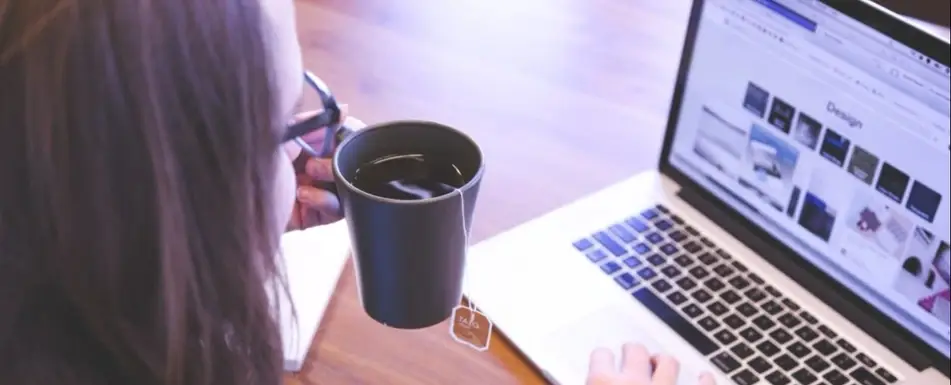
[(564, 96)]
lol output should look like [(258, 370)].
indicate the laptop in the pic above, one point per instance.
[(793, 231)]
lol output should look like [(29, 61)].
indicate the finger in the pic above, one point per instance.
[(316, 199), (666, 370), (602, 363), (707, 379), (636, 362), (321, 169)]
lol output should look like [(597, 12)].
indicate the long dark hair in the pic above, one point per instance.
[(138, 149)]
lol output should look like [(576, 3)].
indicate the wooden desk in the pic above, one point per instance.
[(565, 97)]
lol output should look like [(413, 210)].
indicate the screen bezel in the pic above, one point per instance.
[(881, 20)]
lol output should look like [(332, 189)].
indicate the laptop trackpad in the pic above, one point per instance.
[(609, 328)]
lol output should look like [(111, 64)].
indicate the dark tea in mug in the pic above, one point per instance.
[(409, 177)]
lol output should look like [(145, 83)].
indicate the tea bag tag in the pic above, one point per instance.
[(470, 327)]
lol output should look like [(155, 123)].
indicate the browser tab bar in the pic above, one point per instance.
[(789, 14)]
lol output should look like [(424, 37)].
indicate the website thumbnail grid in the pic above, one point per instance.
[(835, 174)]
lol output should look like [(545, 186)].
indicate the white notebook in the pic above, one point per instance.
[(313, 259)]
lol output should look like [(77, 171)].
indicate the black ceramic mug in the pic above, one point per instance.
[(410, 255)]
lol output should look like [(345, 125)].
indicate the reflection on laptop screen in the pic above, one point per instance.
[(833, 138)]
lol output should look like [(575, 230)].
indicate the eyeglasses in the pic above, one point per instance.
[(329, 118)]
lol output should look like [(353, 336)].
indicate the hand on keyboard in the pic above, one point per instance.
[(637, 367)]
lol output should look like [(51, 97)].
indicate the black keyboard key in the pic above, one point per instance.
[(845, 345), (763, 322), (807, 334), (684, 328), (751, 335), (865, 377), (760, 365), (626, 280), (817, 364), (755, 295), (725, 337), (686, 283), (699, 272), (790, 304), (723, 271), (637, 225), (747, 309), (781, 336), (773, 291), (707, 242), (723, 254), (805, 377), (583, 244), (677, 235), (655, 238), (677, 298), (641, 248), (662, 286), (808, 317), (835, 377), (708, 323), (755, 278), (632, 262), (596, 255), (730, 297), (662, 208), (827, 331), (768, 348), (683, 260), (742, 350), (745, 377), (778, 378), (843, 361), (725, 362), (718, 308), (714, 284), (789, 320), (692, 231), (771, 307), (649, 214), (656, 259), (693, 311), (622, 233), (707, 259), (740, 267), (799, 350), (610, 267), (886, 375), (663, 224), (609, 244), (734, 321), (739, 282), (692, 247), (866, 360), (669, 249), (824, 347), (786, 362), (670, 271), (646, 273), (676, 219), (701, 296)]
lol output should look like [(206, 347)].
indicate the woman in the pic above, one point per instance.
[(144, 188)]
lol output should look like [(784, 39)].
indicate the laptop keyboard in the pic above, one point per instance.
[(743, 325)]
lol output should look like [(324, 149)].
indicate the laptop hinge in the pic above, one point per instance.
[(810, 277)]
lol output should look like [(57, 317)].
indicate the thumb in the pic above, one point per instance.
[(318, 199), (707, 379)]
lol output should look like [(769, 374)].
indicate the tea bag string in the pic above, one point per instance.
[(465, 252)]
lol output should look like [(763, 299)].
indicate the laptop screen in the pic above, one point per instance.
[(833, 138)]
